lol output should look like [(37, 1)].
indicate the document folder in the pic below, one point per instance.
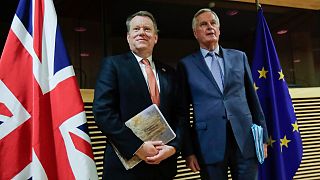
[(148, 125), (257, 132)]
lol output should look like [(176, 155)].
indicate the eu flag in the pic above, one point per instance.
[(284, 144)]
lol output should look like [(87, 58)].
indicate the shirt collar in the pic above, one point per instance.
[(204, 52), (138, 58)]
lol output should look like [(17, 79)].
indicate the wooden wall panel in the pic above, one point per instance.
[(307, 108), (305, 4)]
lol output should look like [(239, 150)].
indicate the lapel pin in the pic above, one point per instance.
[(163, 69)]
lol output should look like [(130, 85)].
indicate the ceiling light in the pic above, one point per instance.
[(232, 12), (80, 29), (212, 5), (282, 31), (84, 54)]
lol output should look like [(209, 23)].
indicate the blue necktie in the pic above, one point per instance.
[(216, 70)]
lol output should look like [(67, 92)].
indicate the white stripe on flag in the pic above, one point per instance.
[(83, 166), (40, 70), (19, 113), (33, 170)]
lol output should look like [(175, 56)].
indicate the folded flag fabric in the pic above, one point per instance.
[(257, 132), (44, 132), (284, 142)]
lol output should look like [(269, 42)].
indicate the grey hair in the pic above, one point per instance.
[(194, 20), (144, 14)]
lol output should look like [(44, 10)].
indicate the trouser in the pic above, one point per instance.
[(241, 168)]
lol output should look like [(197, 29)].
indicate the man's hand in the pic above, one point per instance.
[(192, 163), (165, 151), (265, 150), (148, 148)]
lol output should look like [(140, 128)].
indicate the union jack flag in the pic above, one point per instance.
[(42, 119)]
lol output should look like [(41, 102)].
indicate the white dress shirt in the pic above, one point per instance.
[(208, 59), (143, 69)]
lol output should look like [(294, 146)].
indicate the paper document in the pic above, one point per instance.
[(148, 125)]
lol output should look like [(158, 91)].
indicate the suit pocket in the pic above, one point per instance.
[(201, 126)]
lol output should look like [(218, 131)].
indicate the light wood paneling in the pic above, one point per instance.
[(306, 103), (307, 107), (304, 4)]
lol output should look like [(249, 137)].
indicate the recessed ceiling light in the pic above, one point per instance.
[(84, 54), (232, 12), (282, 31), (80, 29), (212, 4)]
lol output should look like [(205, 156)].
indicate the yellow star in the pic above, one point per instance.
[(270, 141), (284, 142), (255, 86), (263, 73), (281, 77), (295, 127)]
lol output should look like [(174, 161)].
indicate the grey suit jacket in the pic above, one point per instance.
[(238, 103)]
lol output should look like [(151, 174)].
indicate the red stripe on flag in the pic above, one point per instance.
[(16, 71), (66, 100), (15, 151), (4, 110), (38, 27), (51, 151), (56, 107), (50, 146), (82, 145)]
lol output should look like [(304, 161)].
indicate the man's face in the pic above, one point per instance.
[(207, 31), (142, 36)]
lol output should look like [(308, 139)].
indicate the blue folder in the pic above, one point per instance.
[(257, 132)]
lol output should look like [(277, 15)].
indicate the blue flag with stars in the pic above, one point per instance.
[(284, 144)]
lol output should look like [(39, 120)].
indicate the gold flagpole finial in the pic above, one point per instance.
[(258, 5)]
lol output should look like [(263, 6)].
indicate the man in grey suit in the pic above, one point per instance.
[(218, 84)]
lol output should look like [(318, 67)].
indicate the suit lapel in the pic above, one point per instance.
[(199, 61), (227, 66), (136, 73), (163, 81)]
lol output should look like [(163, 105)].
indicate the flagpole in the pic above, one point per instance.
[(257, 5)]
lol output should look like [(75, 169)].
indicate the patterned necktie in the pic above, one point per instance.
[(216, 70), (153, 87)]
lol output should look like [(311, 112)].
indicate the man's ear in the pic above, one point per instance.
[(195, 34), (156, 39), (128, 37)]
